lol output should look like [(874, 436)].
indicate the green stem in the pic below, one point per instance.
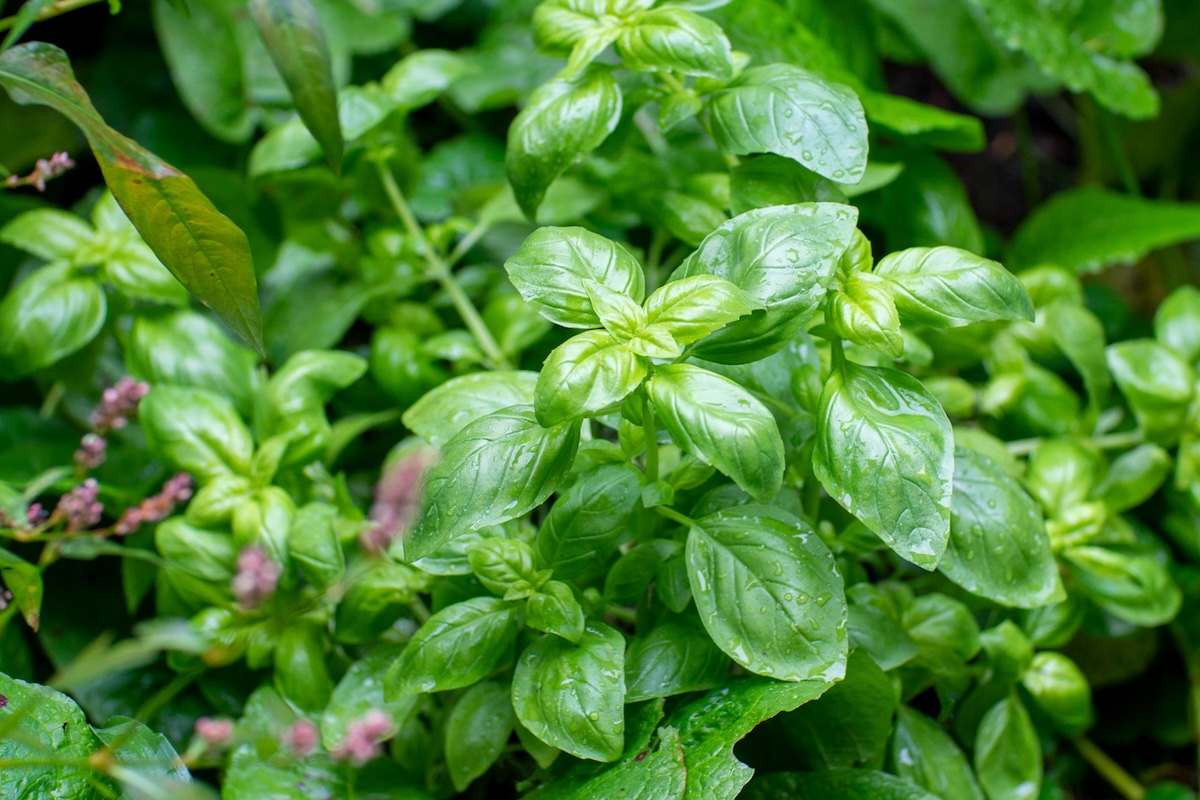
[(1110, 770), (1112, 141), (622, 613), (473, 236), (51, 11), (650, 433), (53, 398), (674, 516), (436, 267)]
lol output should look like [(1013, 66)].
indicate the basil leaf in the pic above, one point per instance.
[(418, 79), (1157, 384), (925, 754), (495, 469), (691, 308), (782, 257), (554, 609), (768, 593), (552, 266), (562, 120), (48, 316), (314, 546), (885, 453), (770, 180), (148, 753), (842, 784), (1061, 689), (572, 696), (295, 39), (197, 431), (1133, 477), (1008, 754), (586, 522), (864, 312), (722, 424), (620, 315), (301, 673), (1176, 323), (1079, 334), (505, 567), (458, 646), (447, 409), (201, 247), (585, 375), (782, 109), (631, 575), (947, 287), (49, 234), (675, 39), (1130, 585), (998, 548), (477, 730), (672, 659), (375, 600), (24, 581)]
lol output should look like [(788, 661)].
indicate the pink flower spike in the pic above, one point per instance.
[(92, 451), (364, 738), (256, 578), (302, 737), (79, 507), (118, 404), (215, 732)]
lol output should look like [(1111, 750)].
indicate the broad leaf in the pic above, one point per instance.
[(292, 32), (49, 315), (562, 120), (24, 582), (496, 469), (197, 243), (928, 756), (1132, 586), (948, 287), (360, 690), (586, 375), (477, 730), (587, 520), (1176, 323), (1008, 753), (572, 696), (551, 269), (674, 658), (458, 646), (196, 430), (675, 39), (788, 111), (691, 308), (1158, 385), (1061, 689), (783, 258), (1079, 334), (1085, 230), (998, 548), (767, 591), (885, 453), (722, 424), (446, 410)]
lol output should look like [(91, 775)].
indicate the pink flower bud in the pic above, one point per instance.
[(215, 732), (118, 404), (256, 577), (302, 737), (397, 500), (79, 507), (364, 737), (91, 452)]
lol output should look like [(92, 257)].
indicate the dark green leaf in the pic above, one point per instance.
[(927, 755), (1008, 754), (554, 609), (196, 430), (1132, 586), (49, 315), (587, 520), (842, 784), (458, 646), (674, 658), (477, 730), (885, 453), (295, 38), (24, 581)]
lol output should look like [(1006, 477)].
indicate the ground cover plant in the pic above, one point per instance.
[(410, 399)]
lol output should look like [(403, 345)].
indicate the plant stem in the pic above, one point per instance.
[(438, 269), (1110, 770), (462, 248), (51, 11), (674, 516), (650, 433)]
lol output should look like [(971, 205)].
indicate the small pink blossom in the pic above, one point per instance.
[(256, 578), (43, 170), (177, 489), (215, 732), (36, 514), (364, 737), (79, 507), (397, 500), (92, 450), (118, 404), (301, 738)]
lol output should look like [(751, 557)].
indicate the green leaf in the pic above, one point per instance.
[(477, 731), (788, 111), (562, 120), (947, 287), (674, 658), (691, 308), (250, 777), (419, 78), (498, 468), (864, 312), (586, 522), (1031, 27), (585, 375), (554, 609), (769, 180), (39, 722), (1008, 754), (1079, 334), (26, 15), (24, 581), (198, 244), (710, 726), (447, 409), (848, 726), (619, 313), (138, 747), (998, 548), (1133, 477), (551, 269), (1157, 384), (768, 593), (572, 696), (505, 567), (49, 234), (1085, 230), (1176, 323), (921, 123), (1132, 586), (885, 453), (46, 317), (842, 784), (293, 402), (314, 546), (374, 600), (782, 257), (677, 40), (722, 424), (1057, 684), (295, 39), (925, 754), (197, 431), (360, 690), (458, 646)]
